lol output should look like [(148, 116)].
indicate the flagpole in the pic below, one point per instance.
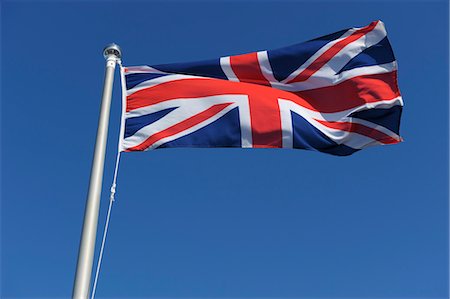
[(112, 54)]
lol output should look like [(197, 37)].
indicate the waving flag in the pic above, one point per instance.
[(335, 94)]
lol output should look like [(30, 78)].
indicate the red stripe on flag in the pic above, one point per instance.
[(362, 130), (184, 88), (265, 116), (266, 122), (247, 69), (351, 93), (331, 52), (184, 125)]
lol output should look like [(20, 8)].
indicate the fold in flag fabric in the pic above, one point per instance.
[(335, 94)]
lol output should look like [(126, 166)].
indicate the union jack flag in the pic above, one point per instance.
[(335, 94)]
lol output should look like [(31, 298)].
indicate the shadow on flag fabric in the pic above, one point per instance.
[(335, 94)]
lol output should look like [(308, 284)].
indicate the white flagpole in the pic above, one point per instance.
[(81, 286)]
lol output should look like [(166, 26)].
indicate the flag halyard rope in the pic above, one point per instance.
[(105, 230)]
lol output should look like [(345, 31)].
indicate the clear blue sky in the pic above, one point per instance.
[(218, 223)]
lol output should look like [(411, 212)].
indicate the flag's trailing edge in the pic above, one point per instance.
[(335, 94)]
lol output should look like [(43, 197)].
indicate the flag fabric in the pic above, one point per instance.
[(335, 94)]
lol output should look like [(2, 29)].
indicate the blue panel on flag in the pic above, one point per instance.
[(286, 60), (378, 54), (134, 79), (224, 132), (207, 68), (134, 124), (306, 136), (388, 118)]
